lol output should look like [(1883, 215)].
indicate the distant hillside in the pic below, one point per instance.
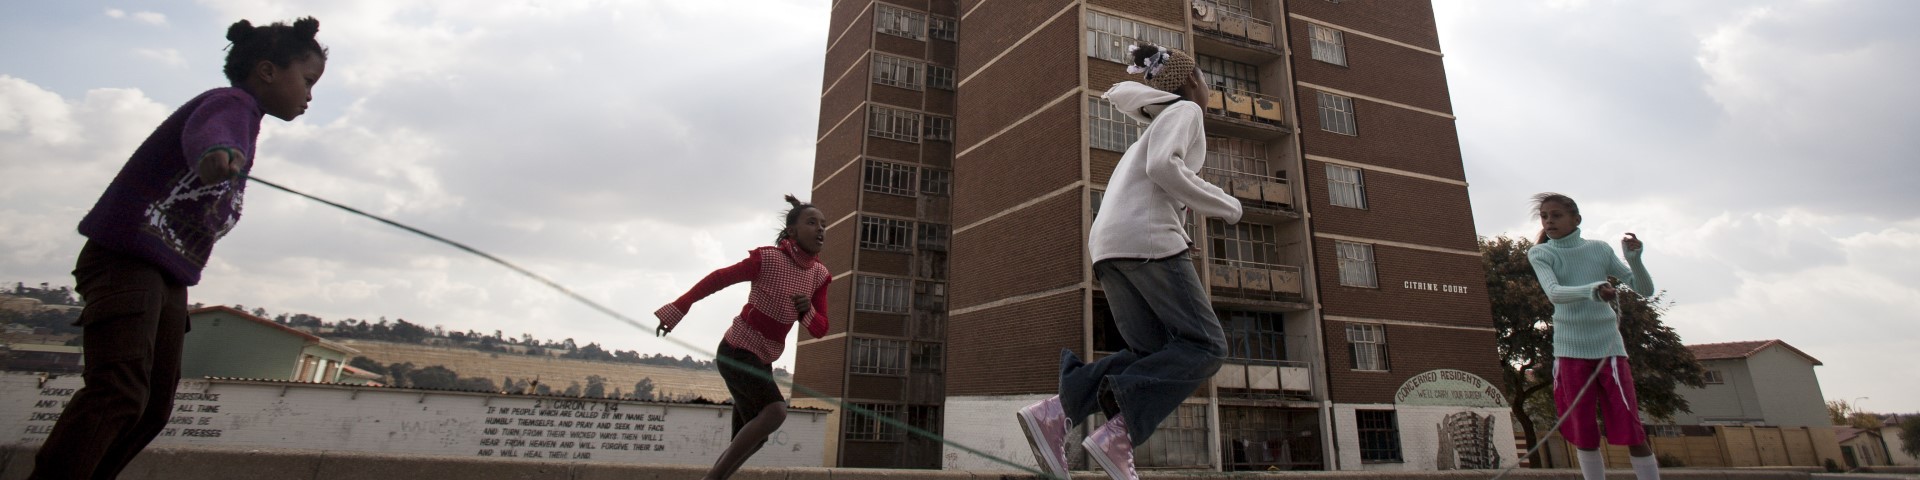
[(669, 382)]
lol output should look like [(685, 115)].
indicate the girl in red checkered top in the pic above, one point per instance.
[(789, 285)]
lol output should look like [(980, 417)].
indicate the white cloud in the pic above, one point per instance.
[(150, 18), (166, 56)]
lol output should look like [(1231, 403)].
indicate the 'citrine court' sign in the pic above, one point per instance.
[(1449, 387)]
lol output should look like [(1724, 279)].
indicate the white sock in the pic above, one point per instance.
[(1646, 468), (1592, 465)]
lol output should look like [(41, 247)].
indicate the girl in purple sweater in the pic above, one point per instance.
[(149, 236)]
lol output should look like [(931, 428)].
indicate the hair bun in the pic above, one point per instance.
[(1143, 52), (306, 27), (240, 31)]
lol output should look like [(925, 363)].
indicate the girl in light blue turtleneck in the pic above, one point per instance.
[(1586, 335)]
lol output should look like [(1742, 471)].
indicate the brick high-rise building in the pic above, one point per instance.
[(964, 166)]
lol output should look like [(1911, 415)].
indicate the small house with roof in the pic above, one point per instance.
[(1759, 383), (227, 342)]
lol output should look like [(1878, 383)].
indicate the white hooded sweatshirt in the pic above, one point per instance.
[(1141, 214)]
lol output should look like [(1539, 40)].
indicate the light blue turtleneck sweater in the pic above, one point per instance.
[(1571, 270)]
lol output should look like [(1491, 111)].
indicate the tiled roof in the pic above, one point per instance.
[(1738, 350)]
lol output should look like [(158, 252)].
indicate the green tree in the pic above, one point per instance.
[(397, 373), (1910, 435), (369, 365), (643, 389), (1522, 317), (573, 390), (436, 376), (596, 386)]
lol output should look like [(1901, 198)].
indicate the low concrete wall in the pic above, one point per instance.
[(180, 463)]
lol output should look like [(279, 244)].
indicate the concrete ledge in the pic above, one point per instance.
[(198, 463)]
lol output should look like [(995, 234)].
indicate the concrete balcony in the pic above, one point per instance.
[(1265, 198), (1268, 379), (1235, 28), (1247, 114), (1264, 284)]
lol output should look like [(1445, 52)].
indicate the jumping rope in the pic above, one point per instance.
[(1563, 415), (644, 327)]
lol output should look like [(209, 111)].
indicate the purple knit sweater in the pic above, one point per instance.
[(157, 209)]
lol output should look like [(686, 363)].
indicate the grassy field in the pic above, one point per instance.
[(555, 372)]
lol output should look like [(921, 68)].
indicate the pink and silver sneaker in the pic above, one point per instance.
[(1046, 426), (1113, 448)]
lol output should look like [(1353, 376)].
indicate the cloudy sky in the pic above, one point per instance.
[(626, 148)]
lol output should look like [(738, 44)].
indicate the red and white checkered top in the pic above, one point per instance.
[(778, 274)]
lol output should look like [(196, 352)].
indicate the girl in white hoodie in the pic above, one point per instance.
[(1139, 247)]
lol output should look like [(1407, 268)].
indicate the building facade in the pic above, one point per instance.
[(1761, 383), (1358, 337), (227, 342)]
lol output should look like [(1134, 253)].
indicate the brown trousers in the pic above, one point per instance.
[(133, 326)]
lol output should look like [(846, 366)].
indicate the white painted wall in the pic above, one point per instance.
[(1894, 451), (241, 414), (1419, 435), (1788, 390), (987, 424)]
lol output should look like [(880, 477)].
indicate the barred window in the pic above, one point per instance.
[(898, 72), (944, 28), (937, 182), (889, 177), (899, 21), (1368, 345), (880, 295), (1108, 128), (940, 77), (1229, 75), (1180, 441), (885, 234), (866, 427), (1108, 36), (933, 236), (1356, 264), (893, 123), (1254, 335), (1379, 436), (1329, 45), (1346, 187), (878, 356), (1336, 114), (928, 357), (939, 128), (1244, 242), (924, 417), (1239, 155)]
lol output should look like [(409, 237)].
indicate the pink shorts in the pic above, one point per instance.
[(1612, 394)]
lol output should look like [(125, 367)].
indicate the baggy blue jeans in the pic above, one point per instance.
[(1174, 345)]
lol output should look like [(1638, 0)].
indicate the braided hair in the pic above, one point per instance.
[(278, 43), (793, 216)]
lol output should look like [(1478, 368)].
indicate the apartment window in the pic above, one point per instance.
[(885, 234), (1715, 377), (1108, 36), (898, 72), (1356, 265), (1379, 436), (1254, 335), (880, 295), (861, 426), (937, 182), (1108, 128), (893, 123), (889, 177), (1238, 155), (924, 417), (939, 128), (1336, 114), (944, 28), (1368, 344), (1243, 242), (933, 236), (940, 77), (877, 356), (1238, 7), (1094, 197), (928, 357), (1181, 440), (1228, 75), (899, 21), (1346, 187), (1328, 45)]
